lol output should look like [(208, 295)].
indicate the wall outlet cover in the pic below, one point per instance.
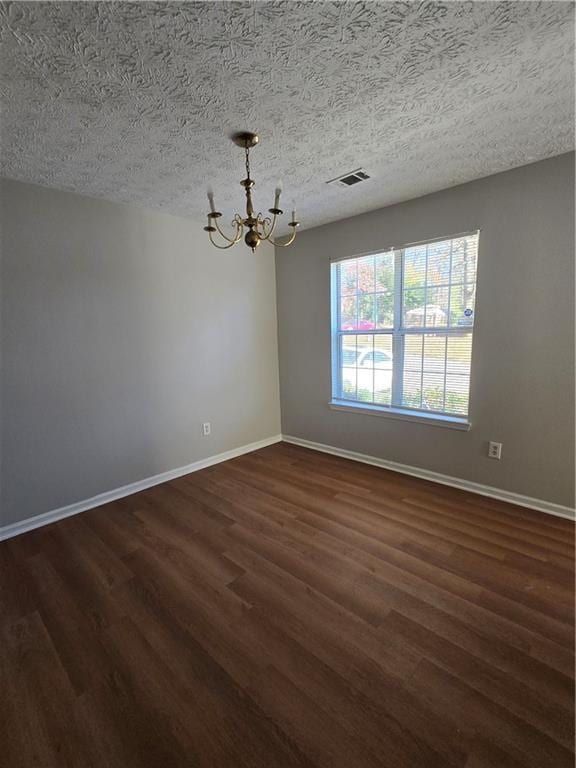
[(494, 450)]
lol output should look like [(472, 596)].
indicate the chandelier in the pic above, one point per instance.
[(259, 228)]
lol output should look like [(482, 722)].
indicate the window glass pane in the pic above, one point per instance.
[(365, 312), (412, 373), (414, 307), (413, 352), (436, 307), (462, 301), (412, 389), (459, 354), (384, 310), (366, 275), (365, 365), (457, 388), (383, 369), (434, 353), (348, 313), (383, 387), (433, 391), (383, 352), (365, 386), (348, 357), (438, 266), (348, 277), (384, 273), (433, 365), (366, 368), (436, 374), (464, 259), (365, 343), (450, 264), (348, 351), (349, 383), (414, 266)]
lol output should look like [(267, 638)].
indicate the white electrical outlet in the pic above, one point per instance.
[(494, 450), (206, 428)]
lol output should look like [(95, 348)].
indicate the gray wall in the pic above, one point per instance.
[(522, 389), (123, 331)]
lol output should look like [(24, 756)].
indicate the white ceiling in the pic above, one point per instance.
[(134, 102)]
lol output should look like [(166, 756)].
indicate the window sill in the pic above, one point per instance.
[(433, 419)]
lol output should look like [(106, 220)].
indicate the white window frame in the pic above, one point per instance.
[(398, 334)]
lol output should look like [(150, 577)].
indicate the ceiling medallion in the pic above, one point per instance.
[(259, 228)]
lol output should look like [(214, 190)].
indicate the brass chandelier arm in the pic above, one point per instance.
[(236, 237), (267, 231), (283, 245), (231, 243)]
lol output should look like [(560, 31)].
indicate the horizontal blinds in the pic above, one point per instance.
[(399, 247), (439, 283), (436, 372)]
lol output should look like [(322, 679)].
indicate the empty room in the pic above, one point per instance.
[(287, 455)]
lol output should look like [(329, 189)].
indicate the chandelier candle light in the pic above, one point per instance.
[(259, 228)]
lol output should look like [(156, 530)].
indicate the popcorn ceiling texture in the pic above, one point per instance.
[(134, 102)]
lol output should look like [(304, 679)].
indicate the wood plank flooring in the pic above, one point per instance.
[(290, 609)]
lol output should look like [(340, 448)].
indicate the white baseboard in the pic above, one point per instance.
[(8, 531), (456, 482)]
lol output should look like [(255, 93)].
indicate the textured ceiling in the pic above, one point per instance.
[(134, 102)]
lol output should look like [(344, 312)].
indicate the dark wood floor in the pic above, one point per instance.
[(289, 608)]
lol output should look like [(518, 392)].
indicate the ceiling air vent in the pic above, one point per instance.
[(349, 179)]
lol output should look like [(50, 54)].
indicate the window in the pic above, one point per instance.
[(402, 326)]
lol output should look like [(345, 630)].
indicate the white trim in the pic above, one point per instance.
[(15, 529), (431, 419), (426, 474)]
